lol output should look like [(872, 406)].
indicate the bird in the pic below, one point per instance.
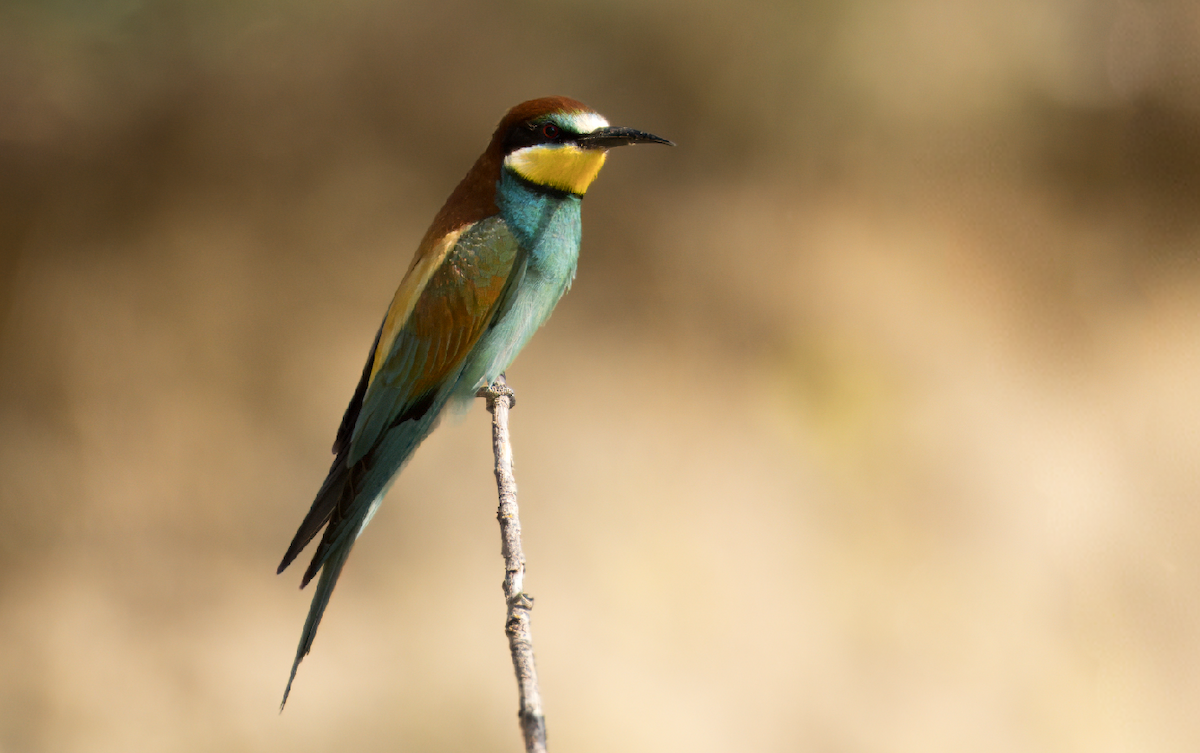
[(490, 269)]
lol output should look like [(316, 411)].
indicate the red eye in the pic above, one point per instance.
[(550, 131)]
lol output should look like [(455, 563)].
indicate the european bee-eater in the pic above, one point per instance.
[(499, 255)]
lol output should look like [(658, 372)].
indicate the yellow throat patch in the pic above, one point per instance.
[(566, 167)]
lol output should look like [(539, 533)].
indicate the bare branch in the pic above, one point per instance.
[(520, 641)]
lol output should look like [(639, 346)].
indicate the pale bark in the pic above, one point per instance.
[(520, 641)]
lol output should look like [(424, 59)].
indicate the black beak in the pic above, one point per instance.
[(606, 138)]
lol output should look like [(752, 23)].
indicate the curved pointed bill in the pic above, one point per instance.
[(610, 136)]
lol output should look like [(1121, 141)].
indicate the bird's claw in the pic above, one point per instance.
[(495, 390)]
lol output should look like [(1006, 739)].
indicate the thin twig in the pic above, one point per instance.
[(520, 641)]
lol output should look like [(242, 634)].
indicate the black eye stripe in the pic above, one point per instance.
[(532, 133)]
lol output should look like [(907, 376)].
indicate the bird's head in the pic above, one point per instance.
[(559, 143)]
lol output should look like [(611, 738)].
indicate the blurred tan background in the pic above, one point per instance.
[(871, 423)]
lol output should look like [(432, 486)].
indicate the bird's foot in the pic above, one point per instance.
[(495, 390)]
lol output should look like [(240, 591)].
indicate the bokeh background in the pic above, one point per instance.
[(870, 424)]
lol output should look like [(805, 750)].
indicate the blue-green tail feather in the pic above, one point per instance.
[(360, 496), (329, 576)]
